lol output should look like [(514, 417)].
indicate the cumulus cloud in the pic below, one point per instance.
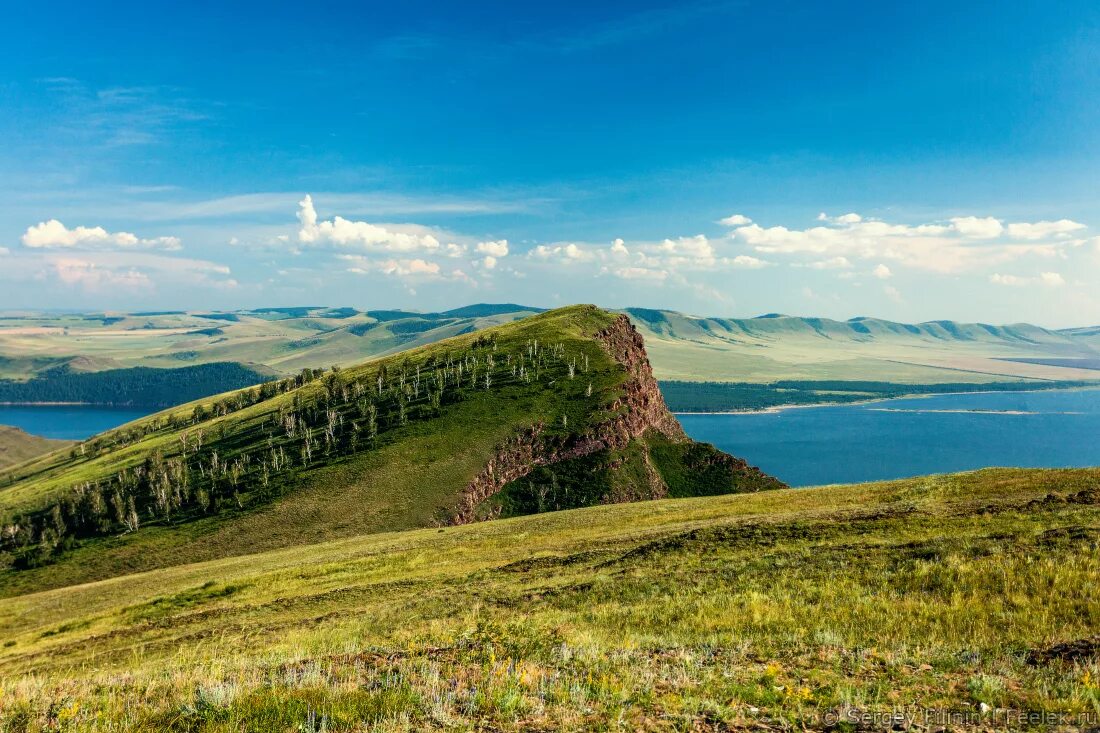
[(668, 259), (359, 234), (892, 293), (882, 272), (977, 227), (410, 267), (735, 220), (563, 252), (53, 234), (494, 249), (401, 268), (851, 218), (489, 262), (696, 248), (1044, 229), (959, 244)]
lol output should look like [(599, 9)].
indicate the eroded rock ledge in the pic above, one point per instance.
[(639, 409)]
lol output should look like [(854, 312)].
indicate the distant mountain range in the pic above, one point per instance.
[(860, 329), (776, 346), (766, 348)]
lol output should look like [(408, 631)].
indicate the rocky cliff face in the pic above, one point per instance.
[(639, 410)]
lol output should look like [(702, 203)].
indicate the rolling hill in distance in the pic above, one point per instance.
[(281, 341), (777, 347)]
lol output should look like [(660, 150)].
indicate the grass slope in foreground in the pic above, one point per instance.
[(752, 611), (558, 410)]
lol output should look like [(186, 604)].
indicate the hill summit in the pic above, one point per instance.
[(559, 410)]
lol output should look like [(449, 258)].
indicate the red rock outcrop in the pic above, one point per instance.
[(640, 408)]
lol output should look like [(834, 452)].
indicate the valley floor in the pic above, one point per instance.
[(966, 598)]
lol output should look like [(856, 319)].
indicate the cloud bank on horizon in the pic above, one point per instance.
[(849, 251)]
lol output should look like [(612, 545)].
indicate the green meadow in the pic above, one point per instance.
[(779, 610)]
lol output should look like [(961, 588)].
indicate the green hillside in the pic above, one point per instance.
[(551, 412), (17, 446), (970, 594)]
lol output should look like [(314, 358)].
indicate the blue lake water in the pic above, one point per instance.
[(68, 422), (911, 437)]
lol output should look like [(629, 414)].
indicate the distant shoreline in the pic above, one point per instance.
[(806, 405), (55, 404)]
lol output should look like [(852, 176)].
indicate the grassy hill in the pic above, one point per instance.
[(17, 446), (554, 411), (777, 347), (972, 594)]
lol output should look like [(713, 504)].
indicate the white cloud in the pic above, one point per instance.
[(92, 277), (736, 220), (400, 268), (882, 272), (892, 293), (964, 243), (641, 273), (618, 247), (835, 263), (360, 234), (565, 252), (489, 262), (495, 249), (977, 227), (113, 273), (850, 218), (410, 267), (697, 248), (53, 234), (4, 251), (998, 279), (1049, 279), (1044, 229), (747, 262)]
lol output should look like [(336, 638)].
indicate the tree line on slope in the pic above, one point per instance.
[(135, 386), (218, 465)]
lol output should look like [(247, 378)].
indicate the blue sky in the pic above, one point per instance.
[(906, 160)]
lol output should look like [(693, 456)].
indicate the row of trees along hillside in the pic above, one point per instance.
[(135, 386), (244, 449)]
